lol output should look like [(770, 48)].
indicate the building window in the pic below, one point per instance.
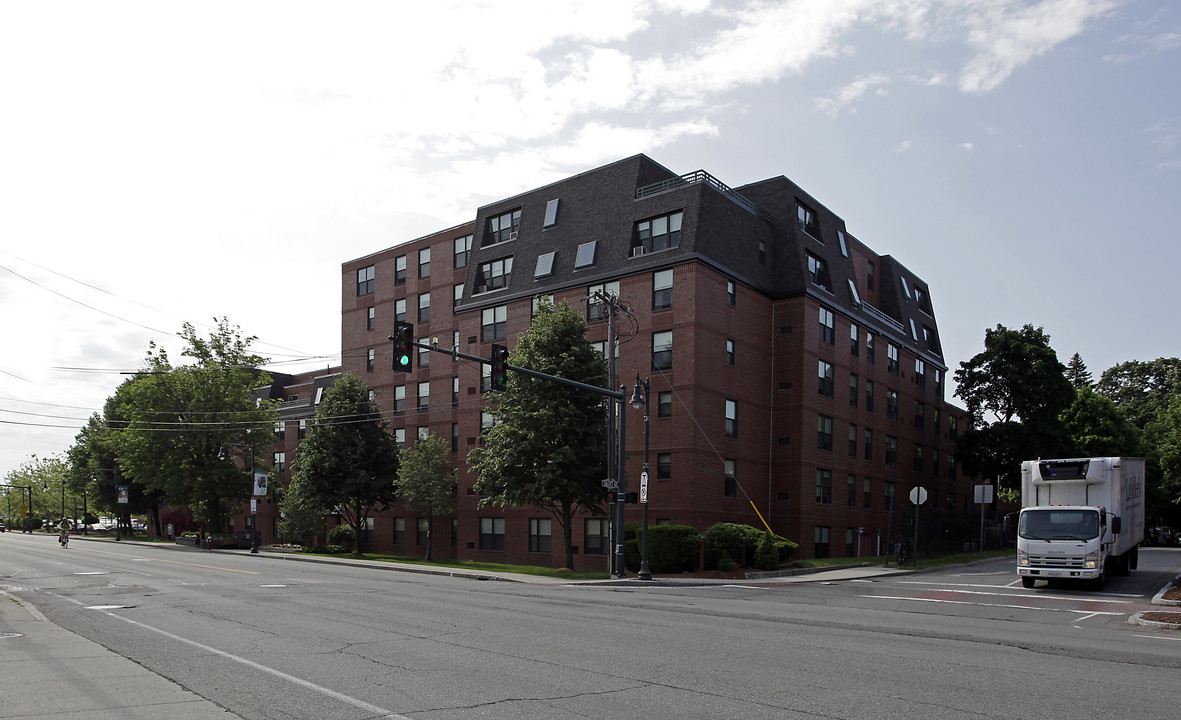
[(935, 462), (807, 220), (596, 308), (280, 430), (868, 444), (853, 392), (662, 350), (869, 395), (421, 531), (492, 533), (891, 451), (869, 276), (536, 303), (852, 440), (424, 396), (370, 356), (851, 491), (844, 246), (424, 358), (662, 289), (824, 374), (545, 264), (892, 358), (920, 412), (463, 250), (280, 461), (817, 271), (731, 419), (664, 466), (365, 280), (493, 323), (664, 404), (455, 391), (400, 270), (551, 213), (494, 275), (400, 310), (659, 233), (920, 373), (828, 332), (400, 437), (502, 227), (854, 346), (594, 537), (585, 255), (820, 547), (539, 535), (869, 357), (823, 486), (891, 404), (866, 494), (303, 429), (424, 263), (762, 252), (457, 295), (824, 432), (730, 481), (729, 352), (370, 318), (454, 438), (424, 308), (399, 531), (485, 377), (400, 399), (888, 495), (918, 458), (731, 294)]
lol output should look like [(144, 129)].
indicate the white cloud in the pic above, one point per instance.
[(1007, 35), (851, 92)]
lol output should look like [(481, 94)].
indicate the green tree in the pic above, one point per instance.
[(1164, 435), (1077, 372), (547, 445), (1098, 428), (348, 461), (425, 482), (1142, 390), (303, 513), (1015, 392), (171, 423)]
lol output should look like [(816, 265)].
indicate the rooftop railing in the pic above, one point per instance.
[(699, 176)]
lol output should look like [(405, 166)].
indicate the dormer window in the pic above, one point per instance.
[(807, 220), (502, 227)]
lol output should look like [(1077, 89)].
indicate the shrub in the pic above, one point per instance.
[(741, 542), (342, 535), (725, 563), (766, 554), (671, 548)]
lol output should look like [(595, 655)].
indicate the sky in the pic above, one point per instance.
[(172, 162)]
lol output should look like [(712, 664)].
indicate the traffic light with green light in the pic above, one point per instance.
[(403, 346)]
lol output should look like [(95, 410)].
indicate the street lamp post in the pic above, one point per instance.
[(254, 538), (641, 398)]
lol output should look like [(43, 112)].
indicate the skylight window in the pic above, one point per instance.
[(545, 264), (586, 254)]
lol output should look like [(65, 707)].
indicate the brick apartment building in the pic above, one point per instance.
[(792, 368)]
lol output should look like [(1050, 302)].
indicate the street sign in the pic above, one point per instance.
[(982, 494), (610, 483), (24, 510), (644, 487), (253, 505), (918, 496)]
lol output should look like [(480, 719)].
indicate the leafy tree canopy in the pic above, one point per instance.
[(1098, 428), (348, 461), (425, 482), (1142, 390), (547, 444)]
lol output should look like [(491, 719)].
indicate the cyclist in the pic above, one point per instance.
[(64, 537)]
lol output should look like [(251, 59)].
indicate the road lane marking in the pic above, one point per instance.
[(1089, 613), (170, 562), (1040, 595)]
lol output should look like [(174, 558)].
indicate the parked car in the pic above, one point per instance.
[(1161, 536), (2, 529)]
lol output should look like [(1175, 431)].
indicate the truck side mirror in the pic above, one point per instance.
[(1116, 525)]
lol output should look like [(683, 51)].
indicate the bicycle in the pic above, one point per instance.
[(64, 537)]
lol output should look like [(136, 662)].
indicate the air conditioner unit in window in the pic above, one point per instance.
[(639, 250), (512, 235)]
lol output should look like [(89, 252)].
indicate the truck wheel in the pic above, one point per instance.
[(1027, 582), (1100, 582)]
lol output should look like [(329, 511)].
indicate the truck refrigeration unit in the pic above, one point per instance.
[(1081, 519)]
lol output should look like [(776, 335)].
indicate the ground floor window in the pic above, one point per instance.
[(422, 532), (540, 534), (399, 531), (820, 542), (492, 533), (595, 537)]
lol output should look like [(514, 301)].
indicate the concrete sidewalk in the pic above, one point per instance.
[(50, 672)]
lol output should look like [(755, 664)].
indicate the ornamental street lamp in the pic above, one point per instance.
[(221, 455), (641, 399)]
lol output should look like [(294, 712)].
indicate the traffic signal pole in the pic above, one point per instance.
[(619, 395)]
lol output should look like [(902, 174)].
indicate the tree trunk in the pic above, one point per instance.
[(567, 520), (430, 534)]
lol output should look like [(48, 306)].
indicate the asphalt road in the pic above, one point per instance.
[(268, 638)]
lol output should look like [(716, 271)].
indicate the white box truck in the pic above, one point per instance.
[(1081, 519)]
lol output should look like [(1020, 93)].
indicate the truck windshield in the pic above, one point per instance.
[(1059, 524)]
